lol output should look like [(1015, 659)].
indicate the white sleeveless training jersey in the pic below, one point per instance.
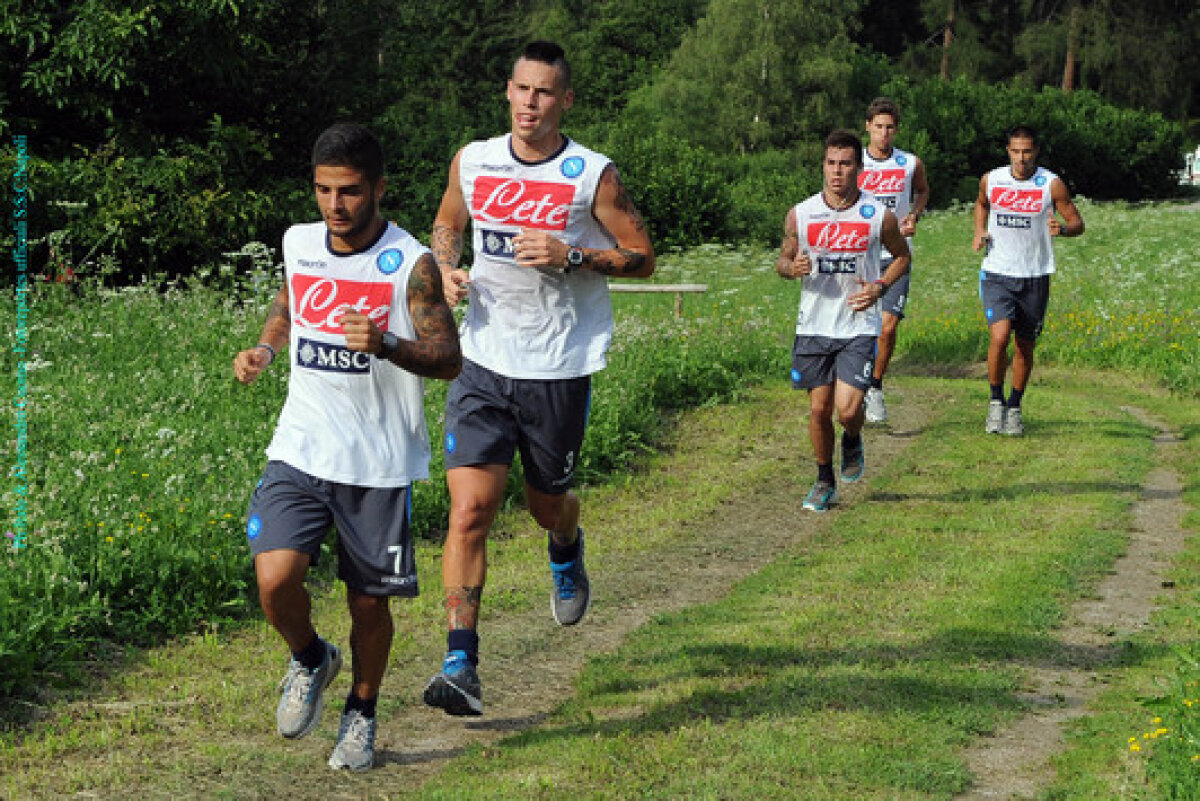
[(523, 322), (350, 417), (1019, 224), (891, 181), (844, 247)]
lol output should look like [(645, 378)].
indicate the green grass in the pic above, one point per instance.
[(143, 451)]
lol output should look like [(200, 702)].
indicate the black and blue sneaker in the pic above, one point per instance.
[(456, 689), (572, 594)]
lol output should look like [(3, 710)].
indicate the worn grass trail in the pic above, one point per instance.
[(735, 648)]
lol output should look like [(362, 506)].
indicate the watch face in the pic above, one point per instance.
[(574, 257)]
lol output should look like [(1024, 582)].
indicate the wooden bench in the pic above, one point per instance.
[(678, 289)]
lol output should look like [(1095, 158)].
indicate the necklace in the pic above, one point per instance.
[(847, 203)]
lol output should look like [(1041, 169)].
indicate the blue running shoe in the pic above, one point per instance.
[(822, 496), (572, 593), (456, 689)]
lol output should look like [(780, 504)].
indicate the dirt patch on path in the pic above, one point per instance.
[(1015, 763)]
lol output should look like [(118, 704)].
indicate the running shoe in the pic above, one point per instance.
[(572, 593), (995, 417), (355, 749), (303, 694), (456, 689), (1013, 425), (822, 496), (853, 464), (876, 408)]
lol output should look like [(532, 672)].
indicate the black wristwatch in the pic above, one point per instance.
[(388, 346), (574, 259)]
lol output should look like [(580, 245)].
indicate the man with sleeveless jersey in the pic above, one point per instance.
[(551, 221), (1014, 222), (897, 179), (833, 241), (362, 311)]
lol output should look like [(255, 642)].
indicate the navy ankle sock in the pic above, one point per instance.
[(850, 443), (876, 383), (997, 392), (313, 654), (562, 554), (367, 708), (825, 473), (1014, 397), (465, 640)]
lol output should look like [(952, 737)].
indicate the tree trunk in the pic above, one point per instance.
[(947, 37), (1068, 79)]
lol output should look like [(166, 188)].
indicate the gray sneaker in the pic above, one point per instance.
[(456, 690), (1013, 426), (876, 409), (355, 749), (303, 695), (572, 593), (995, 418)]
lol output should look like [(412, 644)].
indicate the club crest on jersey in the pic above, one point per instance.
[(330, 358), (389, 261), (1039, 180), (867, 211), (901, 159), (572, 167)]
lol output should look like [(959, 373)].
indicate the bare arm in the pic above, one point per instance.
[(1072, 224), (435, 352), (633, 256), (897, 245), (446, 242), (792, 261), (920, 201), (982, 205), (247, 364)]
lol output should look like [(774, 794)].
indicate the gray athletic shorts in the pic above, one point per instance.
[(489, 417), (292, 510), (818, 361), (896, 297), (1022, 300)]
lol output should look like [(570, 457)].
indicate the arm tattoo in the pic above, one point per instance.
[(435, 353), (446, 245), (462, 606), (618, 261)]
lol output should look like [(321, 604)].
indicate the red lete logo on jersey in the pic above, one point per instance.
[(1028, 201), (319, 302), (882, 182), (530, 204), (843, 236)]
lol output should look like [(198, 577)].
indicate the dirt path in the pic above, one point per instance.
[(1014, 764)]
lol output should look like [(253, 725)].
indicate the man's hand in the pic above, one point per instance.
[(981, 241), (801, 265), (868, 294), (455, 285), (250, 362), (539, 249), (908, 226), (361, 332)]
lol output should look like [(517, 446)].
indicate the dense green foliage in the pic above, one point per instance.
[(166, 135)]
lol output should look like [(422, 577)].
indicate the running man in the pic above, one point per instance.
[(1014, 222), (833, 241), (362, 310), (551, 221), (897, 179)]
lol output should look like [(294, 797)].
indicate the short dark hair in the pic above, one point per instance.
[(1022, 132), (883, 105), (347, 144), (844, 138), (549, 53)]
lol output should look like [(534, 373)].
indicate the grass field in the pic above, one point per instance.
[(143, 451)]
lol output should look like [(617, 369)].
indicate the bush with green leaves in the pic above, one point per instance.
[(1102, 151)]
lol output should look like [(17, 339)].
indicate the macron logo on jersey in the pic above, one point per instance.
[(882, 182), (1026, 201), (543, 205), (319, 302), (842, 236)]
